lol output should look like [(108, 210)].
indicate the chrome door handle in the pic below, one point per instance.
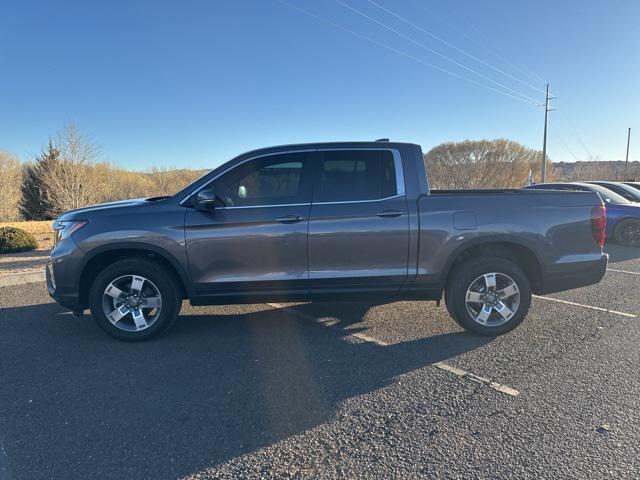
[(290, 219), (389, 213)]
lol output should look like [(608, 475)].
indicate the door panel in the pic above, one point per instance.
[(247, 250), (350, 246), (255, 240), (359, 224)]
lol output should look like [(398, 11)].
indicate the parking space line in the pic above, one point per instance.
[(472, 376), (367, 338), (622, 271), (458, 372), (599, 309)]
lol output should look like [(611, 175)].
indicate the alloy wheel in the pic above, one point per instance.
[(132, 303), (631, 234), (492, 299)]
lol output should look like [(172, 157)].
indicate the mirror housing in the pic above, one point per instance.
[(205, 200)]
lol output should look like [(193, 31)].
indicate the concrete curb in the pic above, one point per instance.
[(9, 279)]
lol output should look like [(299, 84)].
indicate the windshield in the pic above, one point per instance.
[(608, 195), (196, 178), (631, 193)]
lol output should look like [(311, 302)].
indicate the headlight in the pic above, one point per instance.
[(64, 229)]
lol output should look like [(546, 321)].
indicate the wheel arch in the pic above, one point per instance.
[(518, 251), (98, 258), (619, 220)]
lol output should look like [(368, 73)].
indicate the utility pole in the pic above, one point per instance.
[(543, 170), (626, 159)]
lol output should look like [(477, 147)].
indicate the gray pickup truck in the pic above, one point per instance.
[(325, 222)]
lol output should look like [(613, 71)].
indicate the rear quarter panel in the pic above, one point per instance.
[(556, 227)]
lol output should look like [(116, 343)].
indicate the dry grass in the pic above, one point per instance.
[(36, 227)]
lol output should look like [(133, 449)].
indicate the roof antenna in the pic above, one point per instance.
[(382, 140)]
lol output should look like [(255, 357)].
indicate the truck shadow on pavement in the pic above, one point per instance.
[(78, 404)]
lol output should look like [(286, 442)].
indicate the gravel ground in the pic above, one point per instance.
[(261, 392)]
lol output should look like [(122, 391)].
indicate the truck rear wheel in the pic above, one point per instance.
[(134, 299), (488, 295)]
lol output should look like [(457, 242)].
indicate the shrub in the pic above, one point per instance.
[(16, 240)]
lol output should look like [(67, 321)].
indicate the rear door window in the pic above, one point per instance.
[(356, 175)]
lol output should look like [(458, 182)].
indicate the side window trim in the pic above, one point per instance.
[(338, 202), (186, 199), (397, 165), (234, 207)]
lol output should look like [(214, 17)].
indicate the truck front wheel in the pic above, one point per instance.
[(134, 299), (488, 295)]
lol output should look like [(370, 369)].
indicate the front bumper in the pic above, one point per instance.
[(575, 276), (63, 273), (68, 300)]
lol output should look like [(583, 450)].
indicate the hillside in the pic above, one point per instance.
[(596, 170)]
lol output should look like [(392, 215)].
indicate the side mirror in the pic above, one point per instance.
[(205, 200)]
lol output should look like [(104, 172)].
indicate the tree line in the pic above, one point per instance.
[(594, 169), (67, 174), (506, 164)]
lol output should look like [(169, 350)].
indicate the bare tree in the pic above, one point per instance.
[(71, 182), (594, 169), (167, 181), (10, 181), (118, 184), (67, 175), (481, 164)]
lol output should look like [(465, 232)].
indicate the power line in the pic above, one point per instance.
[(422, 45), (575, 132), (518, 65), (445, 42), (564, 143), (399, 52), (491, 47)]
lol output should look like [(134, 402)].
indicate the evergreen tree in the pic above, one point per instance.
[(36, 203)]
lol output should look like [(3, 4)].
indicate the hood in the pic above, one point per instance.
[(79, 213), (616, 210), (623, 206)]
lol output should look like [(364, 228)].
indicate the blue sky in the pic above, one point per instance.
[(193, 83)]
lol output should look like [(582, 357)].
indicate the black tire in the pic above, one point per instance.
[(627, 232), (465, 274), (161, 279)]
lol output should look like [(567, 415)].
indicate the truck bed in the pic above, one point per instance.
[(556, 225)]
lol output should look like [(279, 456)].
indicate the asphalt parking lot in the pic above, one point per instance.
[(327, 391)]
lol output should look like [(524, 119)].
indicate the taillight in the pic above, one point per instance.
[(598, 224)]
